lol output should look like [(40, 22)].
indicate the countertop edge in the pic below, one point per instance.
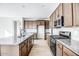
[(16, 43), (68, 47)]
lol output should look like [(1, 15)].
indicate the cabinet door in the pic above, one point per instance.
[(60, 10), (47, 24), (48, 39), (57, 14), (22, 49), (76, 14), (26, 42), (67, 52), (54, 18), (29, 44), (67, 12), (50, 23), (59, 49)]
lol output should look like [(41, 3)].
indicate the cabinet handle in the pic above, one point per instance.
[(59, 46)]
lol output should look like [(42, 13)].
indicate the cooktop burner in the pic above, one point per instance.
[(58, 37)]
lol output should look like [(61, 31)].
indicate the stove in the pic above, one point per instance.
[(58, 37), (53, 38)]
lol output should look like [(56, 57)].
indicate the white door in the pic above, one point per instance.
[(41, 32)]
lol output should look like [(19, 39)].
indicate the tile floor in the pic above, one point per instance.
[(40, 48)]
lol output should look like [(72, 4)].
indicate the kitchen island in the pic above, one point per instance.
[(18, 47)]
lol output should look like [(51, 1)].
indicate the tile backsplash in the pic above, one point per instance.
[(74, 32)]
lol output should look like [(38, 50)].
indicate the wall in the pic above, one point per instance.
[(6, 27), (9, 28), (31, 30), (74, 32), (19, 26), (31, 10)]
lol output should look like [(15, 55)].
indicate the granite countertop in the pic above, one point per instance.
[(71, 44), (12, 41)]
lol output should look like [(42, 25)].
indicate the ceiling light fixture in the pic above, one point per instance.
[(23, 6), (43, 6)]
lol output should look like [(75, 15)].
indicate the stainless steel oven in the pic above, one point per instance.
[(53, 38), (53, 46)]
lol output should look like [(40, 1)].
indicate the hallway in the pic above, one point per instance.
[(40, 48)]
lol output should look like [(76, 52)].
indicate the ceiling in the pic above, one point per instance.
[(27, 10)]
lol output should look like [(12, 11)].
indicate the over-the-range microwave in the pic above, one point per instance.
[(59, 23)]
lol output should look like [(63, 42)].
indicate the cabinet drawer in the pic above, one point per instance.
[(58, 51), (59, 45), (68, 52), (21, 45), (26, 41), (65, 54)]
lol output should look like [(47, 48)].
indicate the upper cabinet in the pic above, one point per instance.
[(47, 24), (60, 10), (53, 18), (67, 13), (50, 23), (57, 13), (30, 24), (70, 13), (76, 14)]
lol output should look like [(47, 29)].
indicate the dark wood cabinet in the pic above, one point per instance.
[(29, 44), (26, 45), (47, 24), (33, 24), (40, 22), (26, 42), (22, 48), (30, 24)]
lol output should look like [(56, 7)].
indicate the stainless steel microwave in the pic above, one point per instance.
[(59, 23)]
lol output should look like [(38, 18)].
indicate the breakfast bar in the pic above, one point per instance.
[(18, 47)]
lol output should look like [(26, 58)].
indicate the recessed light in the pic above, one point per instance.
[(23, 6), (43, 6)]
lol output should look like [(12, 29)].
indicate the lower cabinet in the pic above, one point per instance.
[(23, 49), (61, 50), (26, 42), (67, 52), (48, 39), (29, 44), (25, 46)]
